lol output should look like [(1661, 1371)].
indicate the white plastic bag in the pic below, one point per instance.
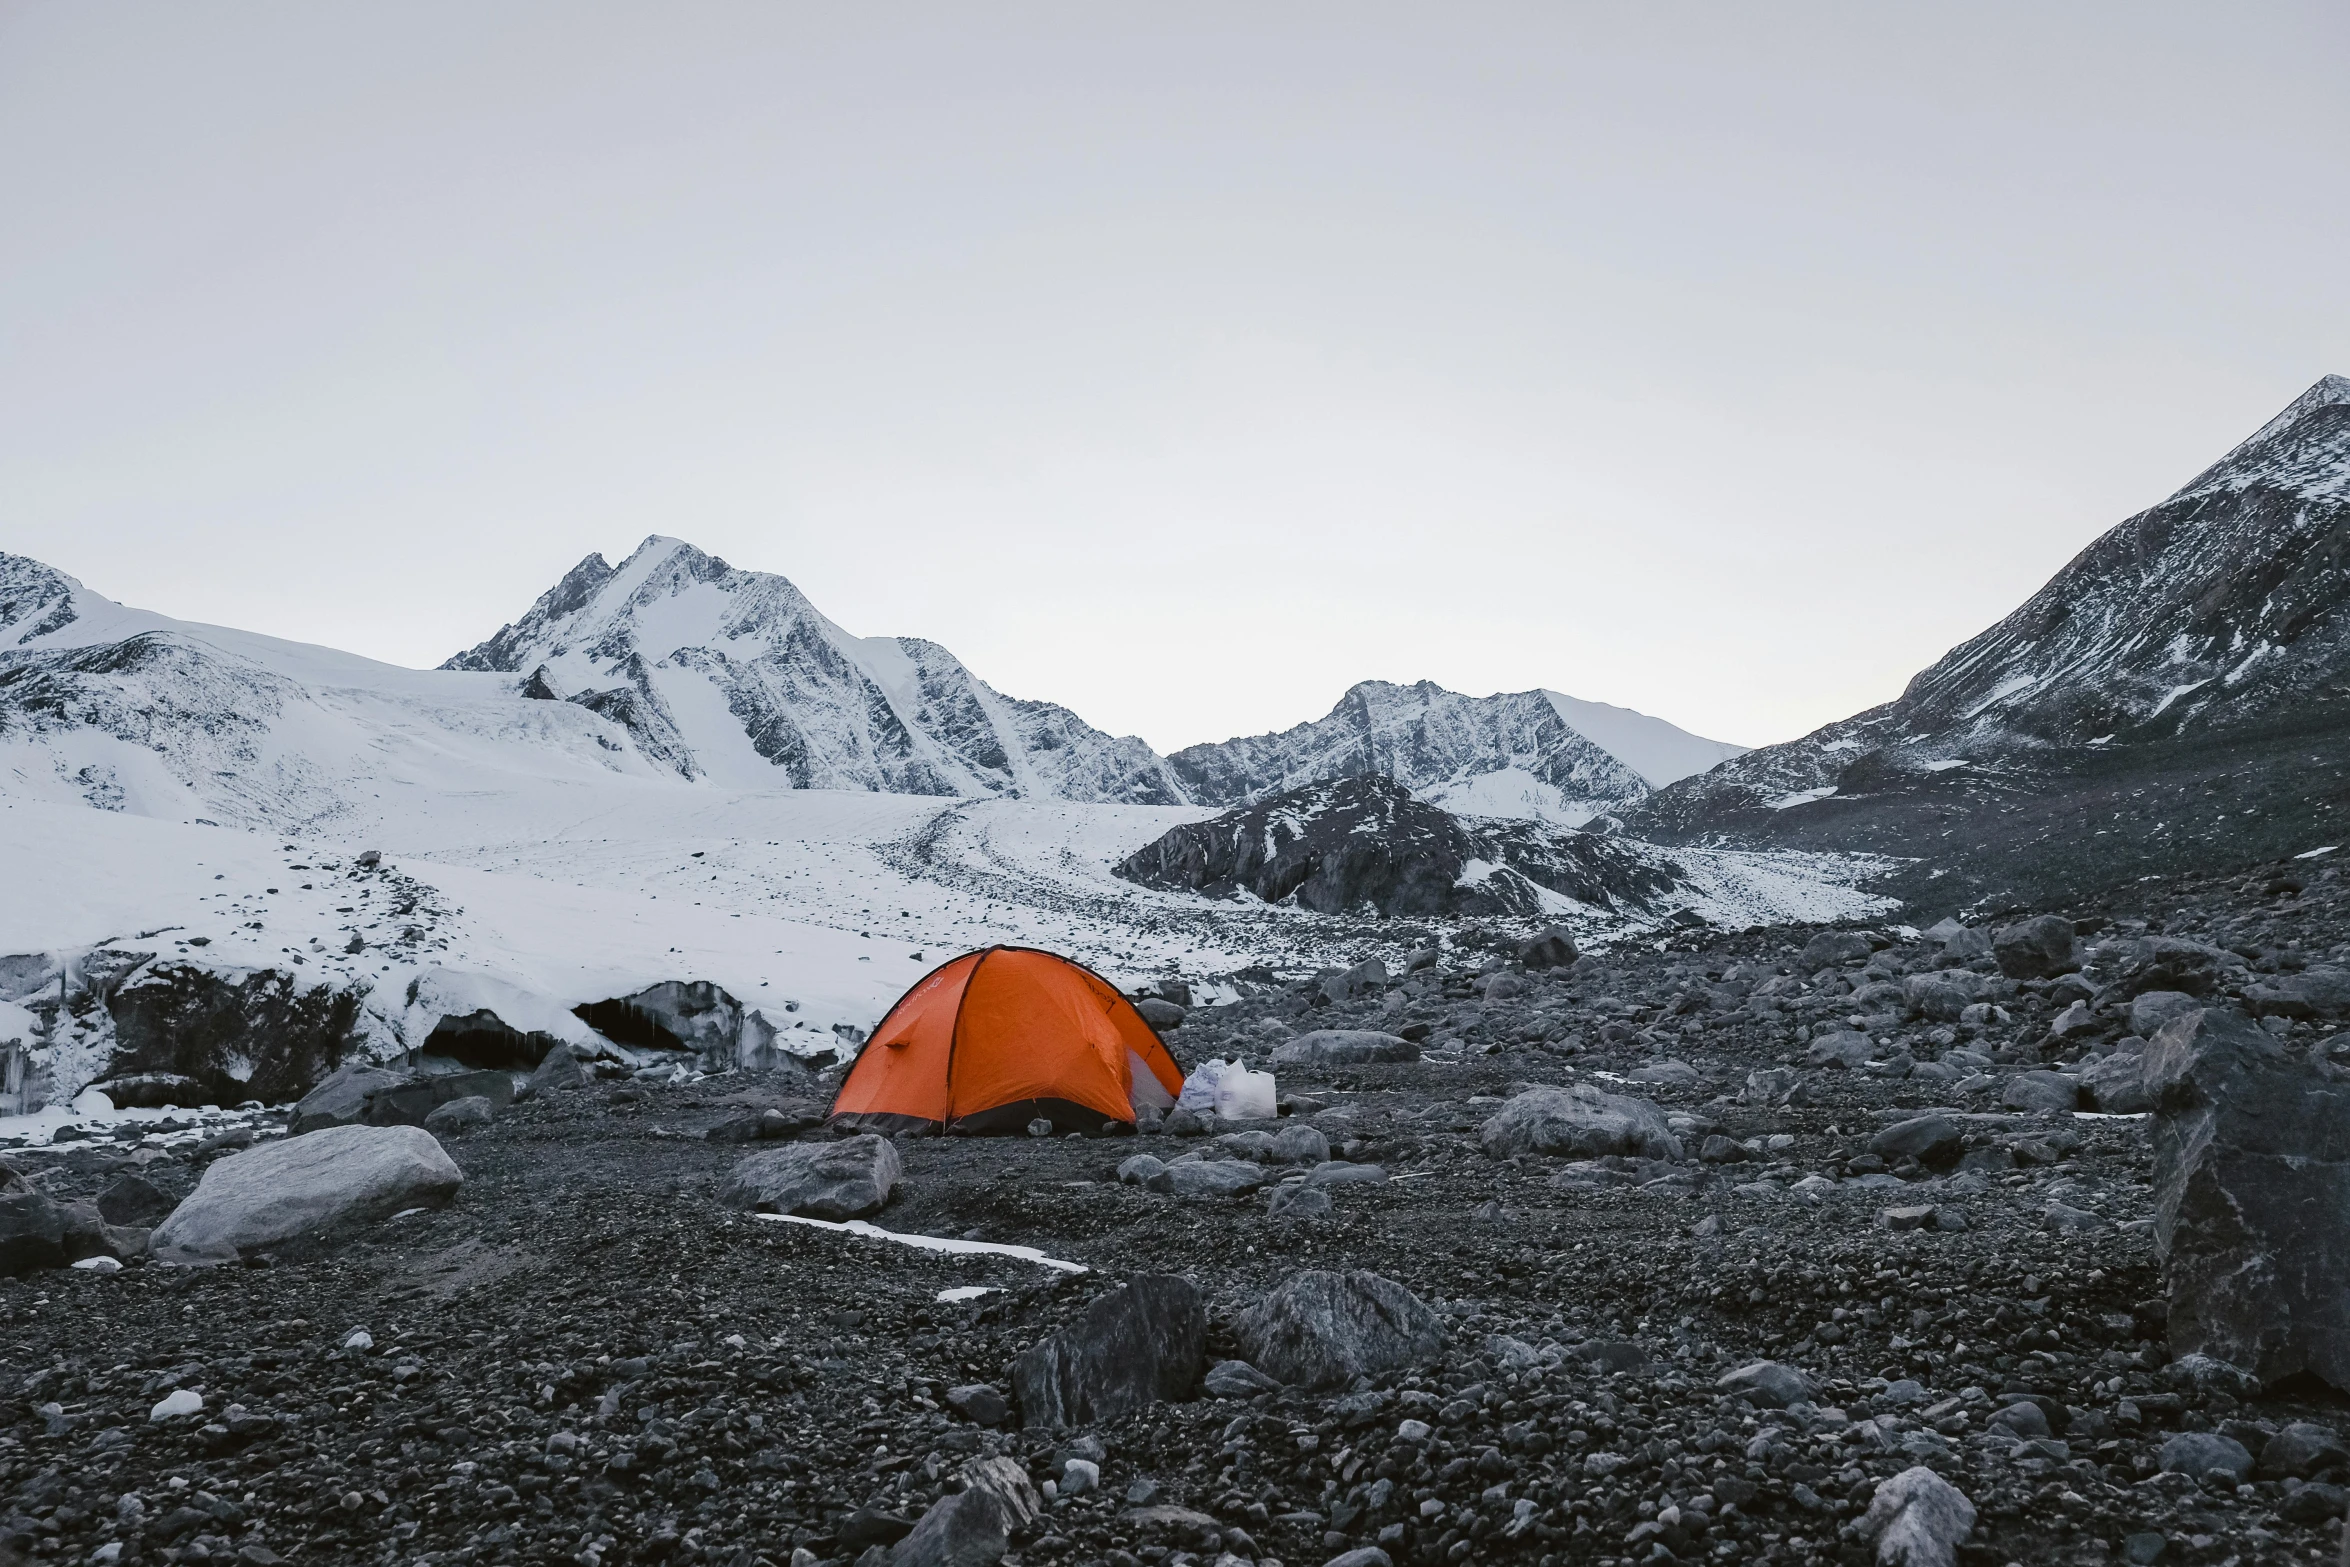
[(1243, 1095), (1199, 1089)]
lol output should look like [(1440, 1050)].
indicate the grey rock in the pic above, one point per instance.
[(1135, 1346), (32, 1231), (133, 1199), (560, 1068), (1298, 1143), (844, 1180), (1768, 1384), (1678, 1074), (2198, 1453), (1236, 1379), (459, 1116), (1942, 996), (1965, 945), (1929, 1139), (2038, 1091), (323, 1182), (1303, 1203), (2303, 1450), (1341, 1172), (980, 1403), (2039, 948), (1161, 1015), (2316, 1502), (2116, 1084), (773, 1123), (1839, 1047), (1579, 1121), (1551, 948), (1343, 1047), (1137, 1169), (2319, 992), (2073, 1221), (2150, 1010), (411, 1102), (1364, 978), (1917, 1519), (1208, 1178), (1361, 1556), (1319, 1329), (341, 1100), (962, 1529), (1773, 1085), (2252, 1197), (1832, 947)]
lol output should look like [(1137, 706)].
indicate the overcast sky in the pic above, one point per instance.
[(1183, 364)]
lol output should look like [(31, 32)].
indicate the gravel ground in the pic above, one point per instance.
[(587, 1359)]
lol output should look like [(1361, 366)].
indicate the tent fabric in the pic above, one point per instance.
[(995, 1039)]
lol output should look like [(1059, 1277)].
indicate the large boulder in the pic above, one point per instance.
[(1159, 1014), (843, 1180), (1318, 1329), (32, 1229), (1943, 994), (326, 1181), (1344, 1047), (2040, 948), (341, 1100), (1135, 1346), (1580, 1122), (1832, 947), (2314, 993), (1552, 948), (2252, 1197), (1929, 1139)]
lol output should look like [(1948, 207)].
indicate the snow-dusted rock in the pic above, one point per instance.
[(328, 1180), (1917, 1519)]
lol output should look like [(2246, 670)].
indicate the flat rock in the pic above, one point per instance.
[(844, 1180), (1236, 1379), (1579, 1121), (459, 1116), (341, 1100), (1929, 1139), (1135, 1346), (2039, 1091), (1343, 1047), (1767, 1383), (325, 1181), (1839, 1047), (1207, 1178), (1320, 1329)]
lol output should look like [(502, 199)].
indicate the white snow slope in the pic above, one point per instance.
[(189, 791)]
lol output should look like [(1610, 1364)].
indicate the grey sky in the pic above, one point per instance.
[(1182, 364)]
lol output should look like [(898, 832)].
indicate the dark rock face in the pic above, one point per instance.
[(485, 1040), (2252, 1197), (1365, 840), (1319, 1329), (242, 1033), (1135, 1346), (694, 1016), (133, 1199)]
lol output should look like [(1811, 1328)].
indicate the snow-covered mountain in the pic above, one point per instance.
[(1537, 754), (2224, 611), (733, 675)]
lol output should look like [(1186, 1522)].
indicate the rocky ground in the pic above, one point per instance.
[(588, 1357)]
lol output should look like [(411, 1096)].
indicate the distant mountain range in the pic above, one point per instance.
[(676, 664)]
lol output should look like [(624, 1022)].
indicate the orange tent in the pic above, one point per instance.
[(1002, 1037)]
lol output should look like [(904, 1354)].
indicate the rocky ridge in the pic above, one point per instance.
[(2181, 687)]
